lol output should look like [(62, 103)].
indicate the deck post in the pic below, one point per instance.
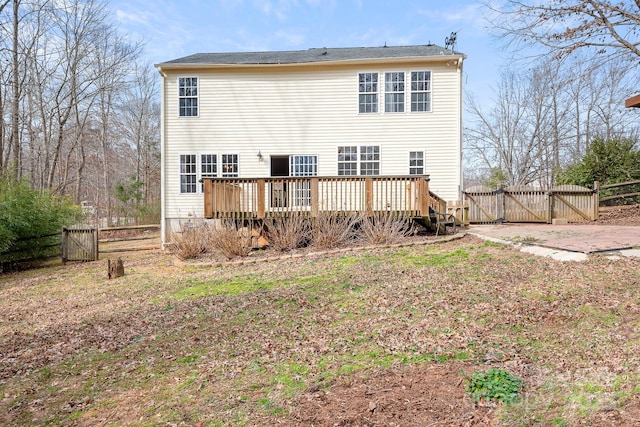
[(260, 192), (423, 197), (368, 185), (208, 202), (314, 196)]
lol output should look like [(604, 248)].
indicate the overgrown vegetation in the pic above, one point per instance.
[(26, 215), (231, 239), (285, 234), (191, 241), (199, 237), (130, 195), (385, 229), (606, 161), (332, 230), (288, 233)]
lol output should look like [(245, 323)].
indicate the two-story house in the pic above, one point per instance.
[(344, 112)]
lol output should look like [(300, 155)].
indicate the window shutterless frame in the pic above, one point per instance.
[(394, 92), (416, 163), (421, 91), (368, 92), (194, 167), (188, 174), (188, 99)]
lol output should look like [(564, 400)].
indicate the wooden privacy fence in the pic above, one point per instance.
[(530, 204), (258, 198), (79, 244)]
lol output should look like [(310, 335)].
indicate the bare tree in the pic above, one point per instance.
[(543, 119), (516, 135), (609, 29), (76, 113), (140, 122)]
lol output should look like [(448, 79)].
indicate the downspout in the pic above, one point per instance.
[(461, 129), (163, 219)]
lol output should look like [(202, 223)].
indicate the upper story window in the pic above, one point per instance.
[(188, 96), (188, 173), (421, 91), (368, 92), (416, 163), (394, 92)]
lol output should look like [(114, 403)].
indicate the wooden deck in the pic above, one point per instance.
[(260, 198)]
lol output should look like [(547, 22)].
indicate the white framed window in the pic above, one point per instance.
[(368, 92), (208, 166), (301, 165), (370, 160), (394, 92), (187, 96), (348, 161), (362, 160), (194, 167), (416, 163), (229, 165), (420, 91), (188, 173)]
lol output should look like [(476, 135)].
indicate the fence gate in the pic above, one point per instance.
[(79, 244), (529, 204)]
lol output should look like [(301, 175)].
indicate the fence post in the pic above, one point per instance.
[(96, 246), (64, 245), (596, 200)]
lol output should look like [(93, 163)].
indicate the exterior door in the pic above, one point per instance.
[(301, 165)]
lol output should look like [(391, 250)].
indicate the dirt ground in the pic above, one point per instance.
[(417, 395), (432, 395)]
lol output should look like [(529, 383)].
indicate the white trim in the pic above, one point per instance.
[(163, 159)]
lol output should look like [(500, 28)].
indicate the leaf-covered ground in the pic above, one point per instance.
[(370, 337)]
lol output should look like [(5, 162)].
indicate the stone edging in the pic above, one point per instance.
[(243, 261)]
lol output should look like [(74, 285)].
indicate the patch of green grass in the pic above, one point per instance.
[(437, 260), (188, 359), (291, 378), (237, 286)]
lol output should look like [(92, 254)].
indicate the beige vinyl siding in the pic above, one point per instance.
[(285, 111)]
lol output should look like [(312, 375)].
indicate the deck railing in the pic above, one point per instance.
[(259, 198)]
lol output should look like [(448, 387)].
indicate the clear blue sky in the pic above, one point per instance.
[(176, 28)]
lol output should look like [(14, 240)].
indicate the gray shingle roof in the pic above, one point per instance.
[(313, 55)]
